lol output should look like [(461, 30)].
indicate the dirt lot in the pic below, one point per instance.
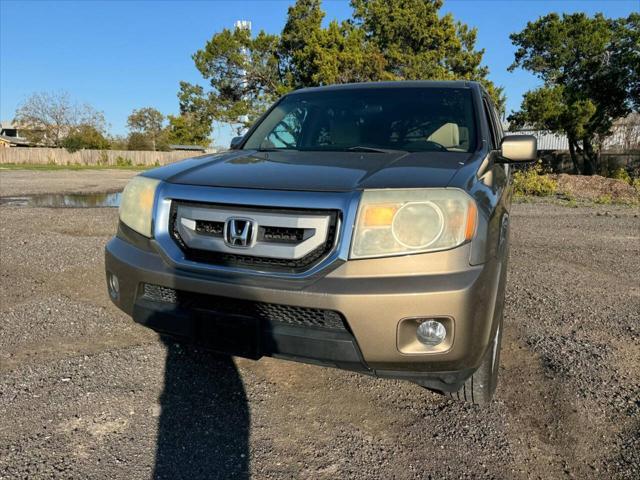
[(85, 393)]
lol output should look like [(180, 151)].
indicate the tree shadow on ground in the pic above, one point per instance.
[(203, 430)]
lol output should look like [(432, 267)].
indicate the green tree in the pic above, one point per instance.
[(303, 26), (85, 136), (341, 54), (163, 140), (590, 68), (194, 124), (118, 142), (139, 141), (243, 73), (419, 43), (147, 121), (385, 40), (187, 129)]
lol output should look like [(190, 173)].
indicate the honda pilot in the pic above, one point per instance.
[(357, 226)]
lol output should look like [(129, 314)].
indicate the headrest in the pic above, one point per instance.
[(448, 135)]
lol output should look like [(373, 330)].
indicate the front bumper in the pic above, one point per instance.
[(372, 295)]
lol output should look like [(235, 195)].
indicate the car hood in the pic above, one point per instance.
[(315, 171)]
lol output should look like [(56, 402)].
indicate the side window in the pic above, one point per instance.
[(490, 122)]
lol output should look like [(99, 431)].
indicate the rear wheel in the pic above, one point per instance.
[(480, 387)]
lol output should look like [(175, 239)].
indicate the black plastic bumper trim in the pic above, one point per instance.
[(311, 345)]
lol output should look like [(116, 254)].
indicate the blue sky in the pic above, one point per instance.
[(121, 55)]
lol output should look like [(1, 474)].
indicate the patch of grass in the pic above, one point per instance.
[(568, 196), (76, 166), (604, 200), (123, 162), (608, 200)]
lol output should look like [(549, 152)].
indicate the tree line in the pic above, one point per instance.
[(54, 119), (382, 40), (589, 68)]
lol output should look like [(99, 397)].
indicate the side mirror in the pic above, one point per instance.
[(235, 143), (519, 148)]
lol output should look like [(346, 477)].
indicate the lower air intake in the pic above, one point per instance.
[(271, 312)]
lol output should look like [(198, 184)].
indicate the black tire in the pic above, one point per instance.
[(480, 387)]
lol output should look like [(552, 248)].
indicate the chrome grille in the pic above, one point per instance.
[(283, 234), (278, 245), (210, 228)]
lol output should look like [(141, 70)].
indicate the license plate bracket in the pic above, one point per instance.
[(236, 335)]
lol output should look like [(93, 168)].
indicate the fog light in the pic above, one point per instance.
[(431, 333), (114, 286)]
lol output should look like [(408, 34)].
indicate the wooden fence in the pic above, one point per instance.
[(60, 156)]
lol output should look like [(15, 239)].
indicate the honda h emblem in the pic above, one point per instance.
[(238, 232)]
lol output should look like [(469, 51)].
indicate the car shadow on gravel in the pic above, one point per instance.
[(203, 429)]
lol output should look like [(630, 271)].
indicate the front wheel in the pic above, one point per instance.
[(480, 387)]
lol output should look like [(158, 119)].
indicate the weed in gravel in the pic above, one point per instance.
[(567, 200), (604, 200)]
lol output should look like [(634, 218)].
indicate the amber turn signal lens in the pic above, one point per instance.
[(379, 215), (472, 216)]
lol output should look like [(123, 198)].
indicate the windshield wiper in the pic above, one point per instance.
[(363, 148), (275, 149)]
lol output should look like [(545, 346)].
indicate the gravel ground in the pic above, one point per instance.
[(87, 394), (26, 182)]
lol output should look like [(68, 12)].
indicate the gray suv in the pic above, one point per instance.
[(358, 226)]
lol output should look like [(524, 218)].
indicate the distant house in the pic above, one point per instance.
[(6, 141), (8, 129), (192, 148), (10, 137)]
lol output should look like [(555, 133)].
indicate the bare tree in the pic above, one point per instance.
[(49, 117)]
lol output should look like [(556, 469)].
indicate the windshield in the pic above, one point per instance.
[(370, 119)]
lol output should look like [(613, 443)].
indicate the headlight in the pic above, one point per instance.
[(136, 206), (398, 222)]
